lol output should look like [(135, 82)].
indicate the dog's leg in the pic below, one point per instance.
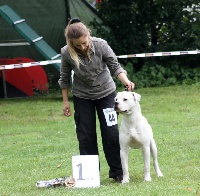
[(124, 161), (155, 159), (146, 158)]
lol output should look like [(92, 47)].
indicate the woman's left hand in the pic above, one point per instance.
[(126, 82), (130, 86)]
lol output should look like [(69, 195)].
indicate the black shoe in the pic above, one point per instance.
[(118, 178)]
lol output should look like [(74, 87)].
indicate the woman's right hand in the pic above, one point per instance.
[(66, 109)]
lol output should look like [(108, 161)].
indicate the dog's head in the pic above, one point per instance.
[(126, 101)]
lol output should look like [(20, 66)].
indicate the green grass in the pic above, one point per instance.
[(35, 138)]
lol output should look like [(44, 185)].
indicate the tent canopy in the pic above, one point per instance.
[(48, 19), (43, 21)]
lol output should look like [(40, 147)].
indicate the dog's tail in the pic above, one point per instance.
[(155, 159)]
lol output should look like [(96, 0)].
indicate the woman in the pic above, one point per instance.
[(94, 63)]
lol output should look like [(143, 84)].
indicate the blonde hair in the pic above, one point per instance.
[(74, 30)]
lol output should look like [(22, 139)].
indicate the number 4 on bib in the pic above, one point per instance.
[(111, 116)]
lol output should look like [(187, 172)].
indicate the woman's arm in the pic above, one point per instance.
[(115, 68), (64, 81), (66, 105)]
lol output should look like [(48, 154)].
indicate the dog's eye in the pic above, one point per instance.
[(125, 99)]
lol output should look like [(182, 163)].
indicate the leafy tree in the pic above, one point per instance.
[(142, 26)]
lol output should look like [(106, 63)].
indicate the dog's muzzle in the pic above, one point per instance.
[(116, 108)]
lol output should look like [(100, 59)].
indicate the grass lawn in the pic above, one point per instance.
[(35, 138)]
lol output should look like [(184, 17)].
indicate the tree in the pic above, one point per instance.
[(142, 26)]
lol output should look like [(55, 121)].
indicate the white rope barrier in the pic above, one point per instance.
[(160, 54), (20, 65)]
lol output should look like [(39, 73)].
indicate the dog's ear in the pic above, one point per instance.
[(136, 96)]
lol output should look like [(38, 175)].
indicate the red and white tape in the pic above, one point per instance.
[(20, 65), (13, 66), (160, 54)]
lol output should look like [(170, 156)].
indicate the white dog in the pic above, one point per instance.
[(135, 132)]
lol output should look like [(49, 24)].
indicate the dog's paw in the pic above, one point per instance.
[(125, 180), (160, 174), (147, 179)]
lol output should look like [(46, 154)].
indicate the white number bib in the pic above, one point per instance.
[(111, 116)]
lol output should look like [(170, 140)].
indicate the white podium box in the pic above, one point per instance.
[(86, 171)]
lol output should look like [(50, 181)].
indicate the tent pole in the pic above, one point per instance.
[(4, 83)]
